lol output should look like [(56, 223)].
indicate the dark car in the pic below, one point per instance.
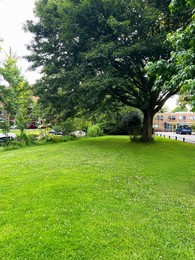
[(31, 126), (55, 132), (184, 129)]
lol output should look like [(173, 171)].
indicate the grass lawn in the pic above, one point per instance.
[(98, 199)]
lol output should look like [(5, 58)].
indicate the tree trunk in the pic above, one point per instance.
[(147, 131)]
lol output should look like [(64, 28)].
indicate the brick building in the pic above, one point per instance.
[(169, 121)]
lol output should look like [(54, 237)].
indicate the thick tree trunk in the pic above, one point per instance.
[(147, 131)]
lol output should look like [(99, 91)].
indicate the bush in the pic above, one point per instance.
[(26, 139), (94, 131), (124, 122), (193, 127), (48, 138), (19, 142), (131, 123)]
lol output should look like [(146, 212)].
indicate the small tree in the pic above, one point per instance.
[(15, 92), (94, 131), (5, 126), (22, 119)]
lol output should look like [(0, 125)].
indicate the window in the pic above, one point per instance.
[(171, 117), (192, 117), (159, 117)]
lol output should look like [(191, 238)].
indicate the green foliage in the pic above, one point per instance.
[(179, 109), (124, 121), (176, 5), (193, 127), (98, 198), (49, 138), (69, 125), (22, 119), (20, 141), (5, 126), (132, 122), (93, 54), (30, 139), (76, 123), (179, 70), (15, 92), (182, 102), (94, 131)]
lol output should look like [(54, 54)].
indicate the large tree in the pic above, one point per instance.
[(93, 54)]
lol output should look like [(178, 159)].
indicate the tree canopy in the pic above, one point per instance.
[(182, 57), (93, 54)]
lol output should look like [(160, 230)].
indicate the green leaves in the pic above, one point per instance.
[(94, 52), (182, 58), (15, 93), (176, 5)]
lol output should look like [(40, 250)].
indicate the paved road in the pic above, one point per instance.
[(172, 135)]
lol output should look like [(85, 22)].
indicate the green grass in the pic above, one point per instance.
[(102, 198)]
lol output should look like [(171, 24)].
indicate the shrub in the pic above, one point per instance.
[(193, 127), (48, 138), (19, 142), (131, 123), (94, 131), (26, 139), (128, 121), (73, 124)]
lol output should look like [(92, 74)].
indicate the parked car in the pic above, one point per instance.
[(184, 129), (78, 133), (42, 127), (31, 126), (55, 132), (14, 127), (6, 137)]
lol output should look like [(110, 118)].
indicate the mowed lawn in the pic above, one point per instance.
[(102, 198)]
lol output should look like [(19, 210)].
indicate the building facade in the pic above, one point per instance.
[(169, 121)]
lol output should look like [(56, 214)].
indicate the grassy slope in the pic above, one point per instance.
[(102, 198)]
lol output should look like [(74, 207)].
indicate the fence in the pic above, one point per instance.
[(176, 137)]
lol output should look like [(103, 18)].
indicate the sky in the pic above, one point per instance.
[(13, 14), (171, 102)]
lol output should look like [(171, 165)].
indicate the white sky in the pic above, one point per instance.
[(171, 102), (13, 14)]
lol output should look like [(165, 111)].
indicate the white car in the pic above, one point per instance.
[(14, 127), (78, 133), (5, 137)]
